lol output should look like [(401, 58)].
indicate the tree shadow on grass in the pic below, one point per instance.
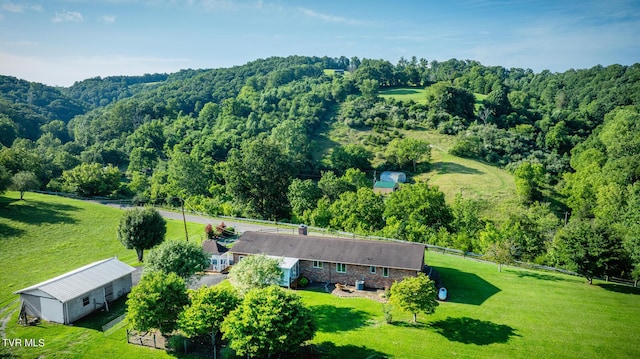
[(330, 350), (465, 288), (101, 317), (473, 331), (333, 319), (37, 212), (452, 167), (619, 288), (7, 231), (534, 275), (401, 91)]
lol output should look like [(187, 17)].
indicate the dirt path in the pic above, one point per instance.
[(5, 316)]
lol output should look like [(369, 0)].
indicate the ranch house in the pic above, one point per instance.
[(73, 295), (373, 263)]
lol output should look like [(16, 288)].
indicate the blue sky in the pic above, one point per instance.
[(58, 42)]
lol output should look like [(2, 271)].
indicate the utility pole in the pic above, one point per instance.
[(184, 219)]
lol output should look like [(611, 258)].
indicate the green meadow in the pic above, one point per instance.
[(515, 313)]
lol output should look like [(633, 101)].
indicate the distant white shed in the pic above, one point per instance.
[(391, 176), (73, 295)]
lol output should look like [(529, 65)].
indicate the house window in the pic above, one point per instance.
[(341, 268), (240, 258), (385, 272), (372, 269), (85, 301), (317, 264)]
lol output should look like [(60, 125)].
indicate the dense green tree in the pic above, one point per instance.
[(453, 100), (529, 178), (358, 212), (186, 176), (141, 228), (92, 179), (415, 295), (407, 151), (333, 186), (156, 302), (270, 321), (466, 215), (207, 309), (369, 87), (255, 271), (25, 181), (591, 248), (259, 175), (350, 156), (303, 196), (416, 211), (182, 258), (5, 179)]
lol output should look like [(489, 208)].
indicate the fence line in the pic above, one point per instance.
[(336, 233), (114, 325)]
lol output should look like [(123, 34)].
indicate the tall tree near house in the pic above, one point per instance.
[(156, 302), (141, 228), (24, 181), (255, 271), (207, 309), (414, 295), (269, 321), (259, 175), (182, 258)]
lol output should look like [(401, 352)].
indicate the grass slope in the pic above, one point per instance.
[(452, 174), (45, 236), (513, 314), (416, 94)]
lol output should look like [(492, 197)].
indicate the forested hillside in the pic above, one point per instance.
[(254, 140)]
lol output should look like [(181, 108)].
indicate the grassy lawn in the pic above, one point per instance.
[(513, 314), (45, 236), (416, 94)]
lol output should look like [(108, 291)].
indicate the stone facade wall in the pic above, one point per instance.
[(329, 274)]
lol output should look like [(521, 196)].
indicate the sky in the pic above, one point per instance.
[(59, 42)]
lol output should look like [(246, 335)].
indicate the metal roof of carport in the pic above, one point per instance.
[(73, 284)]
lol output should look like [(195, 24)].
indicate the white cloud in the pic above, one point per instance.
[(68, 16), (108, 19), (20, 8), (22, 43), (329, 18), (218, 4)]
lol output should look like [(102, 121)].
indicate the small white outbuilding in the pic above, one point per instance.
[(73, 295), (395, 177)]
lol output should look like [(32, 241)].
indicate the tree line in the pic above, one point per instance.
[(248, 141)]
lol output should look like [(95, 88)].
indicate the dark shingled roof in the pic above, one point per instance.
[(213, 247), (399, 255)]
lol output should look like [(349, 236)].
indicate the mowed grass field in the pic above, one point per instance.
[(417, 94), (513, 314)]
